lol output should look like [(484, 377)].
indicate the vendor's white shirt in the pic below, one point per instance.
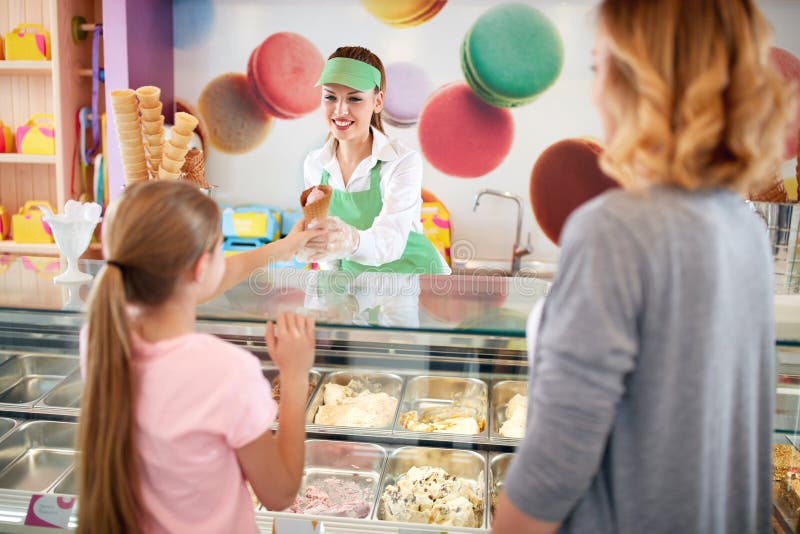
[(401, 186)]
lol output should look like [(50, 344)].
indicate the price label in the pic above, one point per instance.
[(49, 511), (297, 525)]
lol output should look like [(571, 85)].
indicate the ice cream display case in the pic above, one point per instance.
[(416, 403)]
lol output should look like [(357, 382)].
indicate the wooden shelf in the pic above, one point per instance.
[(7, 246), (10, 247), (28, 158), (26, 67)]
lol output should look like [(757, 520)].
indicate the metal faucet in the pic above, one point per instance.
[(517, 253)]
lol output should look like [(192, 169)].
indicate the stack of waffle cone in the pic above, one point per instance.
[(318, 209), (177, 146), (774, 192), (126, 117), (194, 168), (150, 107)]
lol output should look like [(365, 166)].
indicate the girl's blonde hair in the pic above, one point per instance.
[(359, 53), (153, 236), (691, 95)]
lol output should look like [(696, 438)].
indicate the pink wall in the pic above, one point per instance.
[(137, 39)]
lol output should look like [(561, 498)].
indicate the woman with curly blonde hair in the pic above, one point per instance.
[(651, 388)]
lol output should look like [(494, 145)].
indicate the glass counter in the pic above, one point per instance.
[(445, 356)]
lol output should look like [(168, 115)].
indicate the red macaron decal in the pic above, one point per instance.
[(566, 175), (283, 71), (789, 66), (461, 135)]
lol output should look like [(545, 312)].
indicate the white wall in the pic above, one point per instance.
[(272, 173)]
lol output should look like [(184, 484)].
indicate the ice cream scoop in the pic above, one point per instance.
[(315, 195)]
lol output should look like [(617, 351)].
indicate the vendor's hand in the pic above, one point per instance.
[(300, 235), (292, 347), (339, 241), (319, 242)]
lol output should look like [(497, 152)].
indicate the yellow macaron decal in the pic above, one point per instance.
[(404, 13)]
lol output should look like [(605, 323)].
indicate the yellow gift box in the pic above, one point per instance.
[(6, 139), (38, 135), (5, 223), (436, 227), (28, 225), (33, 45)]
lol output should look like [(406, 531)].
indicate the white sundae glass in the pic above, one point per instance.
[(73, 231)]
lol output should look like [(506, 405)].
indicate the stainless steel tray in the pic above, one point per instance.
[(66, 395), (36, 454), (68, 484), (314, 379), (7, 355), (388, 383), (360, 463), (498, 467), (26, 379), (6, 425), (461, 463), (502, 392), (426, 392)]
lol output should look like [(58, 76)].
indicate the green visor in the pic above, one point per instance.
[(350, 72)]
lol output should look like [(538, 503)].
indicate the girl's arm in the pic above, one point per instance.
[(274, 464), (240, 266), (510, 520)]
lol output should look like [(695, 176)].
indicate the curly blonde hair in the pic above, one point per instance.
[(691, 94)]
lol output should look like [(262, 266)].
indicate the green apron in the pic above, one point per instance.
[(359, 210)]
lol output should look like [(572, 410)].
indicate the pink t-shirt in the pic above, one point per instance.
[(200, 398)]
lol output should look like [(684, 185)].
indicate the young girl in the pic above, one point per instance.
[(651, 388), (173, 422), (377, 182)]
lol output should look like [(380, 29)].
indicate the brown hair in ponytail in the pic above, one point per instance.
[(153, 236), (360, 53)]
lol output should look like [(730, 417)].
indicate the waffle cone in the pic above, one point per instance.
[(179, 139), (153, 127), (776, 192), (148, 95), (175, 152), (164, 174), (185, 122), (171, 165), (318, 209), (151, 114), (797, 168)]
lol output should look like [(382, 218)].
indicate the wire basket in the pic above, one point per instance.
[(783, 222)]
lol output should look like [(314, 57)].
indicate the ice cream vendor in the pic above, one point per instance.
[(374, 215)]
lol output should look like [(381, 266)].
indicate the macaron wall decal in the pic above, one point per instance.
[(511, 54), (566, 175), (409, 86), (238, 109), (403, 13), (789, 66), (283, 71), (461, 135), (235, 121)]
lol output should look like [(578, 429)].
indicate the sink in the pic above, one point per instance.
[(529, 269)]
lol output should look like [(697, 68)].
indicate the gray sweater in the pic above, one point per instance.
[(651, 395)]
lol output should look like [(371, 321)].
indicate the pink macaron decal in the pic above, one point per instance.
[(283, 71), (461, 135), (407, 88), (789, 66)]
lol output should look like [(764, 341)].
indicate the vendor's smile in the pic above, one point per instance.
[(342, 124)]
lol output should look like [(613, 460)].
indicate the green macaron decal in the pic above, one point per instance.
[(511, 54)]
